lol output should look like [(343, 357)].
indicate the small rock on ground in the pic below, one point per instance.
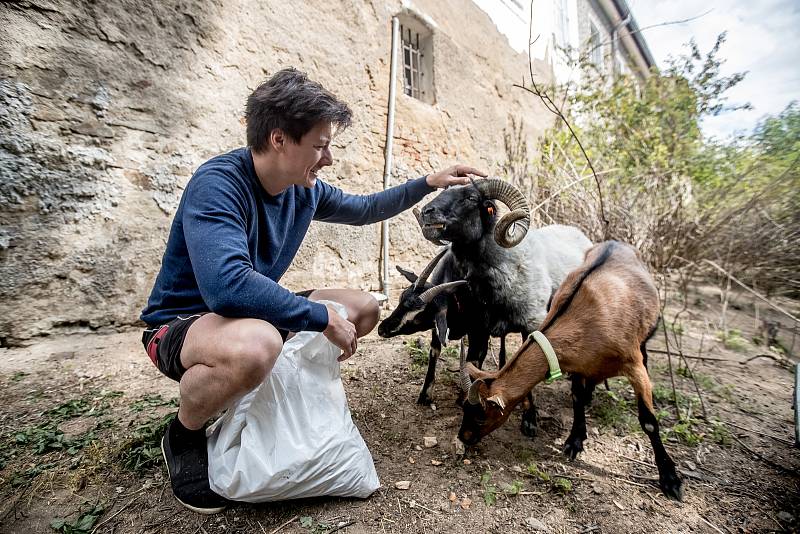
[(534, 524)]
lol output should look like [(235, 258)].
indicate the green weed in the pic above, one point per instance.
[(19, 375), (452, 351), (720, 433), (613, 410), (662, 414), (662, 394), (315, 527), (779, 348), (83, 524), (46, 436), (732, 339), (684, 431), (418, 350), (704, 381), (726, 392), (514, 488), (524, 454), (148, 402), (24, 477), (534, 470), (143, 448), (562, 485), (489, 489)]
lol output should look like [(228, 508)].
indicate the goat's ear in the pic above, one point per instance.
[(479, 390), (477, 374), (411, 277), (498, 401), (474, 393), (441, 327)]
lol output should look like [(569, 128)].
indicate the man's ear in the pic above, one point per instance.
[(441, 327), (277, 139), (411, 277)]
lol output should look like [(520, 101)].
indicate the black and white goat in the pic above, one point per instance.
[(511, 272), (438, 300)]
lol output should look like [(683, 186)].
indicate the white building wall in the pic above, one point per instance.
[(513, 19)]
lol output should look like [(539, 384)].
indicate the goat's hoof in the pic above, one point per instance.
[(573, 447), (671, 485), (528, 427), (424, 400)]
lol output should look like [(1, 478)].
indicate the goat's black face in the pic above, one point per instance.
[(483, 412), (458, 215), (480, 420), (474, 419), (412, 315)]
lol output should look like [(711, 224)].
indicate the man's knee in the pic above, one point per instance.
[(367, 314), (254, 349)]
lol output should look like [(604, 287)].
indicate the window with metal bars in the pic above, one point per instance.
[(412, 62), (416, 48)]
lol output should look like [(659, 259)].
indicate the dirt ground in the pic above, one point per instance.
[(81, 417)]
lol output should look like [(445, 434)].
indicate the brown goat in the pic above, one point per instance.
[(599, 321)]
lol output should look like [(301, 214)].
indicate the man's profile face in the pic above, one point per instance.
[(306, 158)]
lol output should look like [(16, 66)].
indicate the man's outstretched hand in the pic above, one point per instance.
[(341, 333), (455, 175)]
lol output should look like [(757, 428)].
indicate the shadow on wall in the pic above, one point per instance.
[(92, 96)]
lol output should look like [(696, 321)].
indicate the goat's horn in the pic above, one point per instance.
[(426, 272), (431, 293), (418, 215), (464, 379), (473, 397), (517, 220)]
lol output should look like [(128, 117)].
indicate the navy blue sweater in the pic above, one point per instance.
[(231, 242)]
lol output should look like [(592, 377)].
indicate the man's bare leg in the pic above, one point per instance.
[(224, 359), (362, 308)]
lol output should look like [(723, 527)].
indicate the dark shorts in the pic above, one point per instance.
[(164, 343)]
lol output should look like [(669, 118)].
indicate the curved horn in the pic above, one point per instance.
[(464, 379), (418, 215), (433, 292), (517, 220), (426, 272), (473, 397)]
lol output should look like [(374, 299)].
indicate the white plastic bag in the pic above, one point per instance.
[(292, 437)]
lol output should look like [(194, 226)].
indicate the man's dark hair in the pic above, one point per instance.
[(293, 103)]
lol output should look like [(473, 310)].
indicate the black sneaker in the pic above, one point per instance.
[(186, 457)]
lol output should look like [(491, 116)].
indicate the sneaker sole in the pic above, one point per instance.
[(204, 511)]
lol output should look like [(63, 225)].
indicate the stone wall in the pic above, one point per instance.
[(106, 108)]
